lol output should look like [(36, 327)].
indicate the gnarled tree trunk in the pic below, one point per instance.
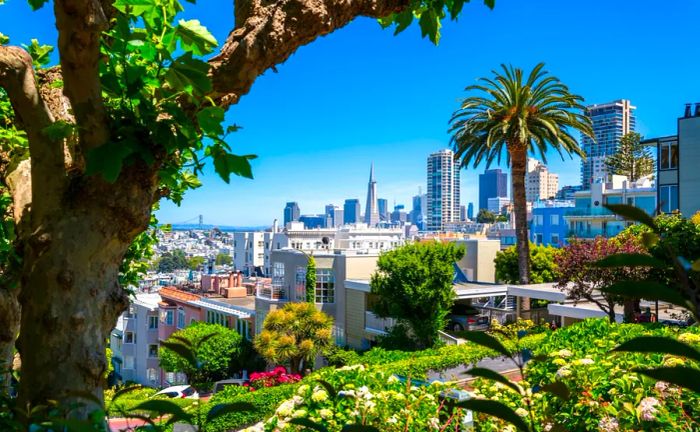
[(9, 326)]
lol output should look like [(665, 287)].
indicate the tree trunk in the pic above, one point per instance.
[(9, 327), (518, 160)]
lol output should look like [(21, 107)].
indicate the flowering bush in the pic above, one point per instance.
[(366, 397), (604, 391), (273, 378)]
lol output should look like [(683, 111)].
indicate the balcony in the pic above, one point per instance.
[(374, 324), (271, 292), (593, 233), (591, 213)]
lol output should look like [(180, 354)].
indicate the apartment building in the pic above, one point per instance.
[(540, 184)]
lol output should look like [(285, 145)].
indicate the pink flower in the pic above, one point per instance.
[(647, 408)]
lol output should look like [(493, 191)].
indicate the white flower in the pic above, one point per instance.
[(392, 379), (298, 400), (299, 413), (319, 396), (548, 427), (521, 412), (325, 413), (303, 389), (260, 427), (608, 424), (392, 420), (434, 423), (285, 409), (563, 372), (647, 408), (585, 361)]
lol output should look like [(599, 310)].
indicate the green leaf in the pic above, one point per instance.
[(456, 8), (493, 376), (210, 119), (75, 425), (359, 428), (41, 54), (696, 265), (4, 40), (163, 407), (486, 340), (649, 239), (647, 290), (308, 424), (59, 130), (226, 164), (659, 344), (183, 351), (107, 160), (136, 7), (403, 20), (490, 3), (558, 389), (630, 260), (227, 408), (37, 4), (633, 213), (189, 75), (495, 409), (430, 25), (682, 376), (195, 38)]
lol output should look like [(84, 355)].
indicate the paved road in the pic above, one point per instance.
[(498, 364)]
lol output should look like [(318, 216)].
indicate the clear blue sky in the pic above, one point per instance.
[(361, 95)]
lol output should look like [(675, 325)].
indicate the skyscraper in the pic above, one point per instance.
[(371, 212), (462, 213), (291, 212), (334, 216), (540, 184), (611, 121), (383, 208), (351, 211), (443, 190), (470, 211), (493, 183)]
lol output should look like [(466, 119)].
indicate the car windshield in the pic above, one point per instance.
[(188, 391)]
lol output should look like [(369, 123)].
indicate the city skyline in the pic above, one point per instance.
[(396, 119)]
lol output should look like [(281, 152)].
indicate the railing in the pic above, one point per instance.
[(449, 340), (271, 292), (374, 323), (597, 211)]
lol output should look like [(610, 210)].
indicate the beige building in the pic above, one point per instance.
[(540, 184)]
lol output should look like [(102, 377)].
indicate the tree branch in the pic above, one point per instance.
[(80, 24), (268, 32), (47, 167)]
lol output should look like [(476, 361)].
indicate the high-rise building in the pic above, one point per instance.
[(470, 211), (462, 213), (399, 216), (540, 184), (443, 190), (371, 212), (351, 211), (493, 183), (312, 221), (291, 212), (416, 215), (611, 121), (567, 192), (383, 208), (334, 216)]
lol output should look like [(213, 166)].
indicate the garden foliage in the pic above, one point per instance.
[(543, 267)]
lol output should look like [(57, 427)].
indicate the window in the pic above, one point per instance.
[(539, 220), (152, 322), (153, 351), (669, 155), (152, 375), (129, 338), (128, 362), (554, 219), (538, 239), (180, 318), (325, 286), (668, 198), (555, 239), (300, 284)]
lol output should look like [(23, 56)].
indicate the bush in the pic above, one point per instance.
[(273, 378), (542, 264)]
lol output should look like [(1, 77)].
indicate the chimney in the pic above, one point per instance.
[(697, 109), (687, 111)]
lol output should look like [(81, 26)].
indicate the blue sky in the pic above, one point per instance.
[(361, 95)]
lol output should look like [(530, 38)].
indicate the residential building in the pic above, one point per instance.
[(383, 209), (677, 173), (351, 211), (251, 252), (611, 121), (462, 213), (134, 342), (493, 183), (443, 190), (588, 218), (334, 216), (296, 236), (566, 193), (360, 237), (548, 226), (470, 211), (313, 221), (371, 211), (496, 205), (291, 212), (540, 184)]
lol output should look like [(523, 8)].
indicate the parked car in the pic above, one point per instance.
[(220, 385), (180, 391), (466, 317)]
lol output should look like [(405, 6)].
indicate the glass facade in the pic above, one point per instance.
[(325, 286)]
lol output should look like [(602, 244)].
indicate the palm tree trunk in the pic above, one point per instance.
[(518, 160)]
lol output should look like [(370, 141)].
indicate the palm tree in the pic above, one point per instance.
[(521, 116)]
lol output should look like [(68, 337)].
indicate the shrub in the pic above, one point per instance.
[(273, 378), (543, 268)]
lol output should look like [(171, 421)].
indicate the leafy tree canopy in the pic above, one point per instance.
[(223, 259), (632, 158), (414, 285), (543, 267), (217, 350), (294, 335), (171, 261), (485, 216)]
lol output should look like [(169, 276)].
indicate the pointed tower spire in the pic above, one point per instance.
[(371, 172), (371, 210)]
